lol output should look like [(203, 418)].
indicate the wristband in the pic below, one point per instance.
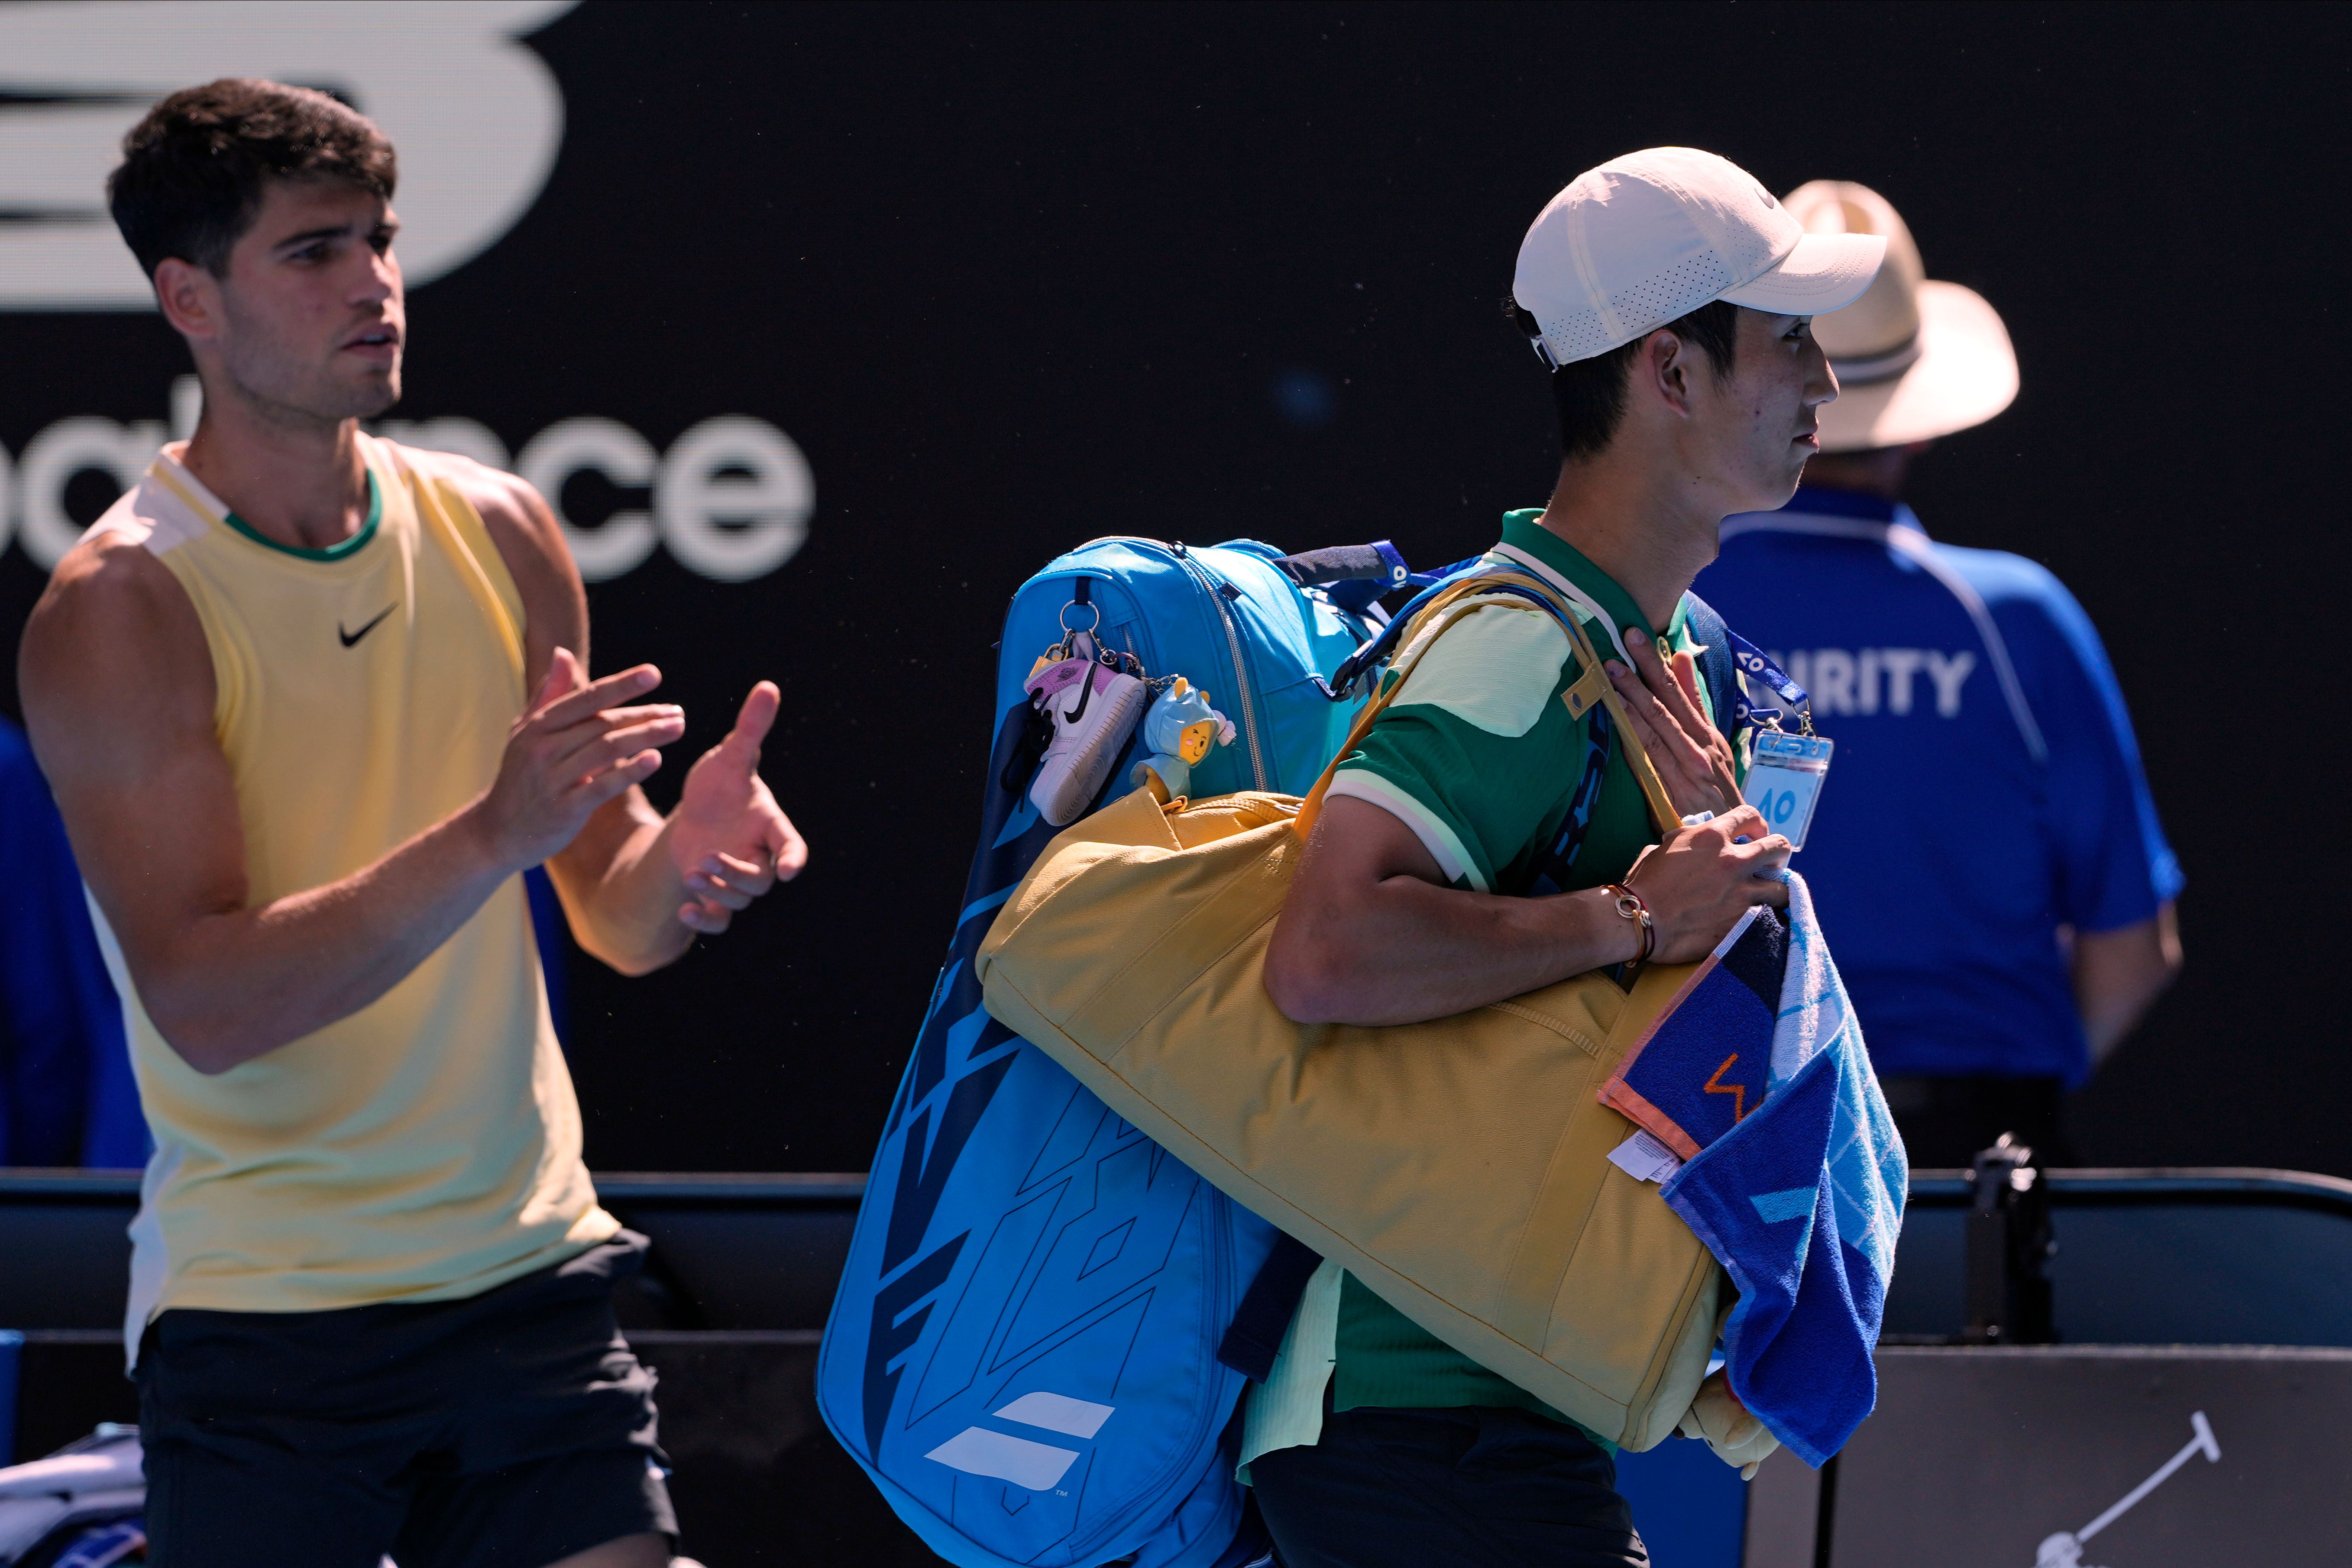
[(1631, 905)]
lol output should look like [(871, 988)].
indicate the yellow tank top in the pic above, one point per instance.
[(428, 1147)]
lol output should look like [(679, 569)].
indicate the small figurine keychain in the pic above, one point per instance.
[(1180, 729)]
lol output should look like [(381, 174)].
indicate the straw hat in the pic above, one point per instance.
[(1915, 358)]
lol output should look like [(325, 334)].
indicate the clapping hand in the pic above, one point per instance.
[(728, 839), (577, 745)]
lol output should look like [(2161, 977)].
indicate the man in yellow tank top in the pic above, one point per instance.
[(312, 702)]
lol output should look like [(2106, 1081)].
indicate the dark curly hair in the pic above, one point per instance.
[(194, 169), (1589, 394)]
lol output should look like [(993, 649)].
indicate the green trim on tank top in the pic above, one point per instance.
[(336, 551)]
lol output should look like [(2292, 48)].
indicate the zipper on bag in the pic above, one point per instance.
[(1240, 668), (1208, 584)]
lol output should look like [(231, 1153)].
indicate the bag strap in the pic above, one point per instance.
[(1445, 607), (1714, 663), (1351, 575), (1646, 773), (1272, 1300), (1448, 606), (1377, 562)]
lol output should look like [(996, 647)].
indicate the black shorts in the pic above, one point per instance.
[(507, 1430), (1468, 1487)]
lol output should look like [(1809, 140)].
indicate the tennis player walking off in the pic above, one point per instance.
[(1457, 864)]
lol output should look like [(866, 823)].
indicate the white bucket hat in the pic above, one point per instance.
[(1651, 237), (1915, 358)]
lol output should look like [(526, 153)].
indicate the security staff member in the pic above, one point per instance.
[(1994, 972)]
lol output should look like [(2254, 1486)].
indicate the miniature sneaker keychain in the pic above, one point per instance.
[(1180, 729), (1092, 707)]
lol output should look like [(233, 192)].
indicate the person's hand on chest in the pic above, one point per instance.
[(1661, 699)]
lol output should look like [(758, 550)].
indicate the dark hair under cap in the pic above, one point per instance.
[(194, 169), (1589, 394)]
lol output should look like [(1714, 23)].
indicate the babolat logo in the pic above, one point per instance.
[(478, 119), (977, 1451)]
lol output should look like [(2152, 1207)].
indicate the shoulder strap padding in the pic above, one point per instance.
[(1715, 665)]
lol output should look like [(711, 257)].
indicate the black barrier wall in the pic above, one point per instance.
[(883, 306)]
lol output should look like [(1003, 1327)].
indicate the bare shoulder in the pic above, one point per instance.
[(530, 541), (108, 593), (117, 678), (517, 516), (113, 657)]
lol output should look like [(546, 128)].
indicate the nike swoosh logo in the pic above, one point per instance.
[(351, 639)]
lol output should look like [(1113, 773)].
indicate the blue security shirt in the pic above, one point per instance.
[(1986, 788), (66, 1097)]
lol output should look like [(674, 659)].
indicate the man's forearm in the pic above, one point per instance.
[(2118, 975), (238, 984), (1408, 951), (1371, 935), (622, 893)]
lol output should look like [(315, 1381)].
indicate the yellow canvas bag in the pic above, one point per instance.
[(1458, 1167)]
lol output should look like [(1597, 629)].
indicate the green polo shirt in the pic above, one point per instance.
[(1479, 756)]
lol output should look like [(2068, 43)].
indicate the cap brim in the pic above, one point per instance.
[(1825, 272), (1966, 374)]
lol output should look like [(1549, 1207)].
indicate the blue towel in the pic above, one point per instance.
[(1793, 1174)]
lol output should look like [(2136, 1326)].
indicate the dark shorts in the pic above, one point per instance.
[(1470, 1488), (507, 1430)]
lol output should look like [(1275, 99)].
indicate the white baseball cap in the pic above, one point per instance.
[(1651, 237)]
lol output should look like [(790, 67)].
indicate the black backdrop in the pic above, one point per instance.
[(1013, 278)]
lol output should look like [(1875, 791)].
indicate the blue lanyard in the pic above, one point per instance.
[(1752, 660)]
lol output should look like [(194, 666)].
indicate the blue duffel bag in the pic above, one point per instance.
[(1044, 1324)]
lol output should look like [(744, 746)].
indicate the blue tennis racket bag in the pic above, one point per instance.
[(1041, 1332)]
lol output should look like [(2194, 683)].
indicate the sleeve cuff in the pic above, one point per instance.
[(1444, 845)]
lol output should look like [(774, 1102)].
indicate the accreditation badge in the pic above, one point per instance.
[(1784, 780)]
